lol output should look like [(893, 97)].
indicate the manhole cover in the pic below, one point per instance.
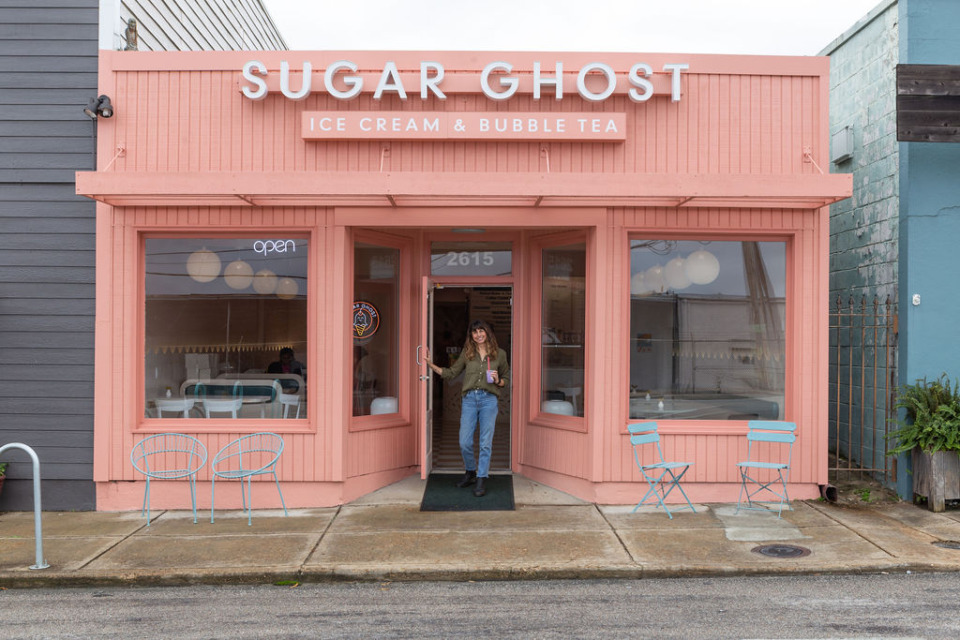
[(947, 544), (781, 551)]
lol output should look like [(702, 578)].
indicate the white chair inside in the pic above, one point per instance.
[(289, 401)]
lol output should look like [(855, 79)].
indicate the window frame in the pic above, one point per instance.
[(225, 425), (537, 417), (714, 427), (405, 311)]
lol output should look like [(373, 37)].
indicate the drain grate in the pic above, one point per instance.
[(947, 544), (781, 551)]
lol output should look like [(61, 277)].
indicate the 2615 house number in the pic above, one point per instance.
[(469, 258)]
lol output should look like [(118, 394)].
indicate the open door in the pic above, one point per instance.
[(426, 385)]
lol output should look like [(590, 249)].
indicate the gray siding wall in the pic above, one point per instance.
[(201, 25), (48, 72)]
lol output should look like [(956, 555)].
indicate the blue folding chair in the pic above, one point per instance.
[(169, 456), (250, 455), (662, 477), (764, 461)]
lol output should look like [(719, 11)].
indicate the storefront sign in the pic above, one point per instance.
[(366, 319), (343, 80), (274, 246), (440, 125)]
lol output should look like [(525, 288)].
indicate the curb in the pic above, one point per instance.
[(17, 580)]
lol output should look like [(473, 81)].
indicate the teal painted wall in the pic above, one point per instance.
[(929, 211)]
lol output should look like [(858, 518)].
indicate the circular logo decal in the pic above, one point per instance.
[(366, 319)]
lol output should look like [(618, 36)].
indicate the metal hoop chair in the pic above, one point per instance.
[(169, 456), (251, 455)]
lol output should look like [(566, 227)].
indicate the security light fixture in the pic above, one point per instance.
[(99, 107)]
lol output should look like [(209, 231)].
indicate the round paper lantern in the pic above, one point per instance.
[(637, 285), (702, 267), (287, 289), (265, 282), (203, 265), (238, 275), (653, 277), (676, 275)]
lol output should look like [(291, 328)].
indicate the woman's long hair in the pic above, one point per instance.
[(470, 347)]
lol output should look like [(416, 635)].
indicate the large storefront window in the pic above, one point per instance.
[(225, 328), (376, 313), (707, 330), (563, 320)]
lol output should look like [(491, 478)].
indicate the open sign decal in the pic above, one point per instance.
[(263, 247)]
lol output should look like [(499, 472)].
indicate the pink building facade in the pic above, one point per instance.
[(647, 234)]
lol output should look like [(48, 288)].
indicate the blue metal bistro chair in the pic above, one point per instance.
[(251, 455), (764, 460), (169, 456), (662, 477)]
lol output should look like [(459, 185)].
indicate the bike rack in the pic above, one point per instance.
[(37, 525)]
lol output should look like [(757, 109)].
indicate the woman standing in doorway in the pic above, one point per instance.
[(486, 372)]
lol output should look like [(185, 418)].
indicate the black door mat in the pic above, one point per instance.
[(443, 494)]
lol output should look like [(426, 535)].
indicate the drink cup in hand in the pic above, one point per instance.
[(490, 373)]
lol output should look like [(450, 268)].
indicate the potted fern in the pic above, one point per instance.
[(931, 433)]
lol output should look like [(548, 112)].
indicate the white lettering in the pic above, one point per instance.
[(304, 85), (431, 125), (608, 73), (381, 124), (500, 124), (518, 124), (365, 124), (611, 126), (510, 83), (258, 68), (264, 247), (390, 81), (601, 78), (638, 80), (556, 81), (325, 123), (430, 82), (354, 82), (675, 69)]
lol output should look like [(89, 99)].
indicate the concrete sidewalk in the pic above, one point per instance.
[(384, 536)]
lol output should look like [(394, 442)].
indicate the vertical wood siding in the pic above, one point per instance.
[(188, 121), (191, 120)]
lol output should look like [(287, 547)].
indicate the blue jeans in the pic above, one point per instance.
[(477, 407)]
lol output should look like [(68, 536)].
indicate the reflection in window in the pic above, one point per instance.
[(376, 314), (707, 330), (225, 327), (563, 319)]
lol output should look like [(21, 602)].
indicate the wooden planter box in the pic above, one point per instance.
[(936, 476)]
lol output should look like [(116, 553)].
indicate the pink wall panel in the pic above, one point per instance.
[(183, 114), (736, 122)]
